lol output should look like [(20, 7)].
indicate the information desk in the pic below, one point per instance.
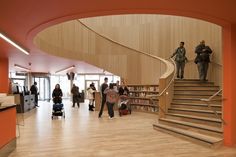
[(7, 129)]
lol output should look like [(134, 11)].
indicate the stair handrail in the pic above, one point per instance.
[(210, 99), (172, 79), (167, 63), (167, 87)]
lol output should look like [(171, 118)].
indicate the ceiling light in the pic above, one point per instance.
[(21, 67), (13, 43), (65, 69)]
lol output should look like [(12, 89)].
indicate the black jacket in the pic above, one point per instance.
[(57, 93), (34, 90), (203, 53), (103, 87)]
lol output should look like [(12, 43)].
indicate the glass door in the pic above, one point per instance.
[(43, 84)]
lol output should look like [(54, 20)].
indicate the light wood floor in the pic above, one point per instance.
[(82, 134)]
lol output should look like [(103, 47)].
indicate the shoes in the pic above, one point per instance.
[(99, 116), (90, 108), (37, 105), (177, 76), (111, 117)]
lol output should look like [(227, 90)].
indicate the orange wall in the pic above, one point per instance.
[(229, 84), (4, 76), (7, 126)]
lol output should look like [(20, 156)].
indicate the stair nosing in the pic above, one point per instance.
[(196, 117), (199, 126), (194, 104), (194, 110), (195, 94), (196, 90), (210, 140)]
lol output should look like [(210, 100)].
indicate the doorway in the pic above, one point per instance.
[(43, 84)]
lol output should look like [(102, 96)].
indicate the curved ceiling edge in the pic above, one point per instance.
[(34, 31)]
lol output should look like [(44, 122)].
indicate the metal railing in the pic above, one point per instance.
[(211, 99)]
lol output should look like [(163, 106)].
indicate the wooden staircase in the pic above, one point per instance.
[(191, 118)]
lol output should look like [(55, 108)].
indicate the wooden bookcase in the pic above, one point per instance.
[(144, 98)]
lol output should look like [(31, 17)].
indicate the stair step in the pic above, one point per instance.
[(192, 100), (193, 79), (217, 107), (211, 141), (199, 96), (193, 82), (194, 125), (195, 104), (194, 110), (197, 87), (210, 121), (194, 92), (205, 113)]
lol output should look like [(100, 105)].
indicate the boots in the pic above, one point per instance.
[(91, 107)]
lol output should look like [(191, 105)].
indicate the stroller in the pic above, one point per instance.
[(58, 108), (125, 107)]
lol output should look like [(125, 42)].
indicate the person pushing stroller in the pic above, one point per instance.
[(57, 98)]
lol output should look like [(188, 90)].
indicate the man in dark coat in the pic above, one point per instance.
[(34, 90), (202, 59)]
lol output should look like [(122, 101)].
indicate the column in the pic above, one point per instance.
[(4, 80), (229, 84)]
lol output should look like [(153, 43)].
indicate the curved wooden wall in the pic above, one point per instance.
[(74, 41), (160, 35)]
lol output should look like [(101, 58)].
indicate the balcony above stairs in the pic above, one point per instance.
[(191, 118)]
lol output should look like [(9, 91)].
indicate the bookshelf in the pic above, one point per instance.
[(144, 98)]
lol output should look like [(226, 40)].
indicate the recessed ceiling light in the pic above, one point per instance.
[(13, 43), (65, 69), (21, 67)]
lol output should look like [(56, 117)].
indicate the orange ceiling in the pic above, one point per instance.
[(21, 20)]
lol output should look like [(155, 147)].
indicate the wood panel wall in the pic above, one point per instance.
[(154, 34), (74, 41), (160, 35)]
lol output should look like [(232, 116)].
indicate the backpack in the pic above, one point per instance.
[(112, 96)]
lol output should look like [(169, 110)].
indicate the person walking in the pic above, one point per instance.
[(103, 87), (94, 88), (111, 99), (202, 59), (75, 93), (180, 60), (90, 96), (57, 94), (34, 90)]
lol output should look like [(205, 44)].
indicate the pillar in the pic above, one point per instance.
[(229, 84), (4, 72)]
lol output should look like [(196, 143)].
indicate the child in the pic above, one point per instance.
[(111, 99)]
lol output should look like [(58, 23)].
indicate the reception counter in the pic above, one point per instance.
[(7, 129)]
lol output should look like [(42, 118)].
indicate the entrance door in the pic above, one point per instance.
[(43, 87)]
